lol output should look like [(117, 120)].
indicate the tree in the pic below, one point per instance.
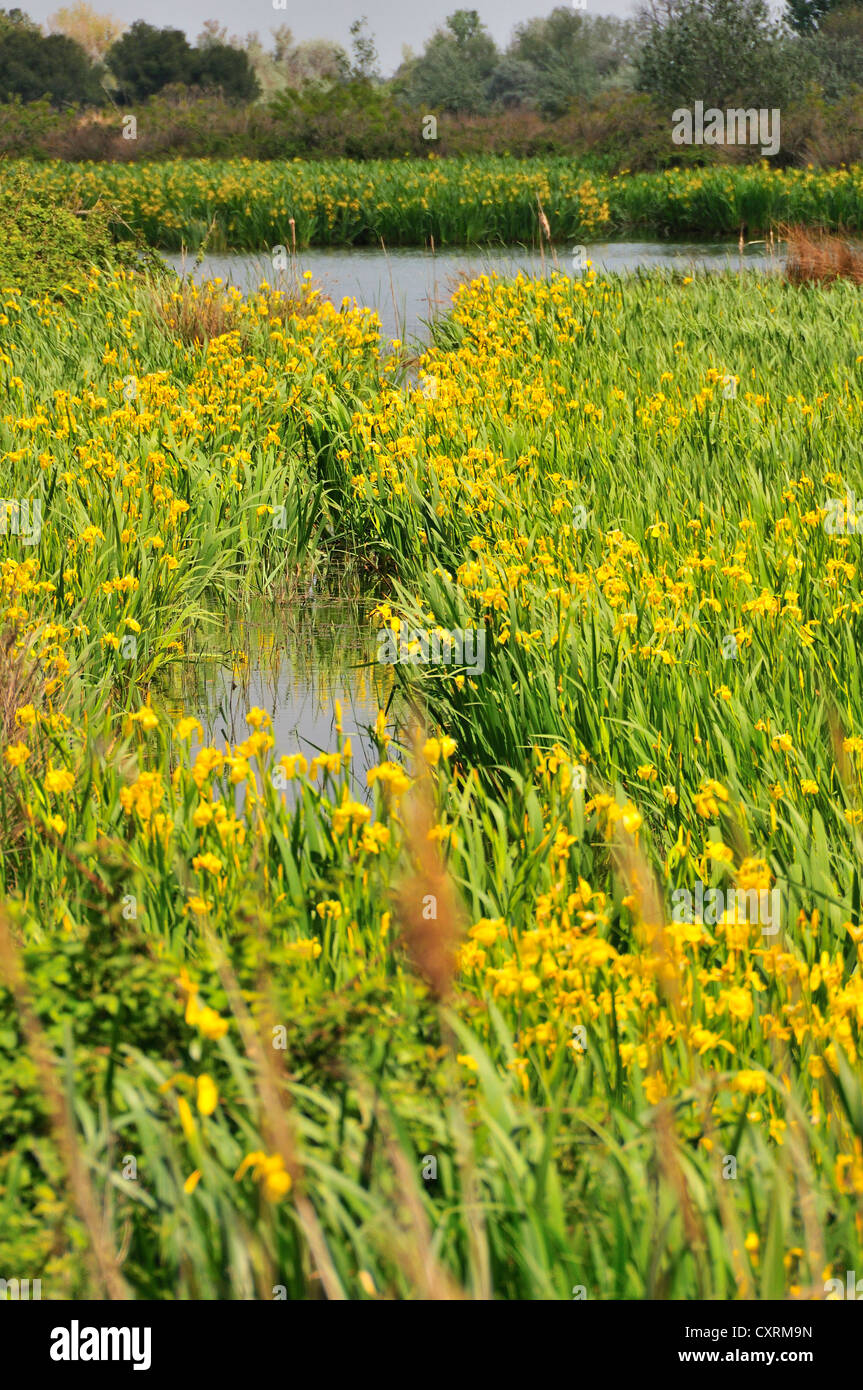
[(146, 59), (33, 67), (94, 32), (570, 55), (454, 70), (16, 19), (805, 16), (838, 51), (720, 52), (513, 83), (365, 64), (318, 63), (222, 67), (315, 63)]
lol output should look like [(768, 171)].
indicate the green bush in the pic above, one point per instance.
[(49, 248)]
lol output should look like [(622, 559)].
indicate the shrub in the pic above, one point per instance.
[(49, 248)]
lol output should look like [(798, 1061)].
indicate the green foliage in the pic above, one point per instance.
[(365, 64), (837, 50), (556, 1166), (247, 206), (33, 67), (721, 52), (220, 67), (145, 60), (46, 247), (570, 55), (805, 15), (454, 71)]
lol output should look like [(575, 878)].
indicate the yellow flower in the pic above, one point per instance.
[(211, 1024), (487, 931), (391, 776), (750, 1083), (59, 780), (465, 1060), (145, 717), (239, 770), (655, 1088), (293, 764), (269, 1171), (192, 1182), (708, 798), (329, 908), (307, 948), (436, 748), (208, 760), (208, 1095), (187, 1119), (374, 838), (349, 813), (185, 727), (16, 754), (256, 717), (739, 1003), (210, 863)]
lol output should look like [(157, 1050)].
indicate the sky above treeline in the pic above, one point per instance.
[(394, 23)]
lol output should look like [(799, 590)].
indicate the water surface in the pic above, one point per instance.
[(310, 664), (410, 287)]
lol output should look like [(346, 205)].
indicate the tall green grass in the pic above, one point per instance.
[(255, 206)]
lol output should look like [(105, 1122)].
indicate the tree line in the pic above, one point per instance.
[(717, 51)]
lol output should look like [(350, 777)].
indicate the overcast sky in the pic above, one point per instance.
[(394, 23)]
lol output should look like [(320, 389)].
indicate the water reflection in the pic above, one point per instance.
[(302, 663)]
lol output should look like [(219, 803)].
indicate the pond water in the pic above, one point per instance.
[(296, 662), (409, 287), (303, 663)]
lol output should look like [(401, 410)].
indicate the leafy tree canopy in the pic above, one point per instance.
[(33, 67)]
